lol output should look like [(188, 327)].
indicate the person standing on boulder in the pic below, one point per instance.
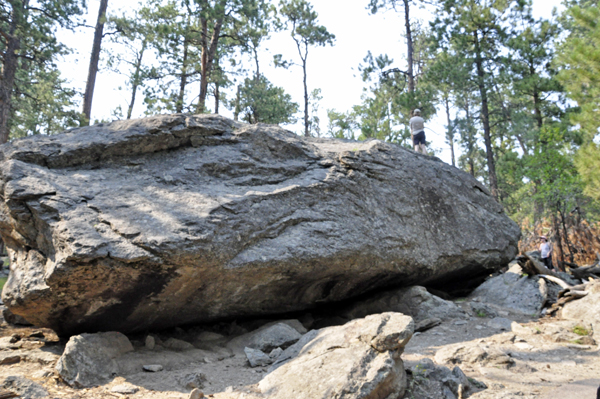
[(546, 252), (417, 131)]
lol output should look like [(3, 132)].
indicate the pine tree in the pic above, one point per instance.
[(29, 48), (306, 32), (477, 28), (579, 60)]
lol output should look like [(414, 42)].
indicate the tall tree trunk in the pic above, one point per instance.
[(136, 79), (485, 118), (238, 100), (9, 70), (470, 159), (450, 134), (183, 78), (217, 97), (538, 113), (561, 254), (566, 231), (94, 60), (303, 57), (306, 121), (209, 49), (409, 47), (257, 76)]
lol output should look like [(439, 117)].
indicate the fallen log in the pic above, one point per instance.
[(540, 268), (571, 265), (558, 281), (576, 294), (585, 272)]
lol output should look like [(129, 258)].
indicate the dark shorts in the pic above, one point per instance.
[(547, 262), (419, 138)]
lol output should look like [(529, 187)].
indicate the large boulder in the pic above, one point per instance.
[(171, 220)]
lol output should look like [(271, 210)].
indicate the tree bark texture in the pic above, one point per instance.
[(94, 60), (9, 70), (306, 121), (217, 97), (560, 254), (303, 57), (450, 130), (409, 47), (470, 159), (209, 49), (184, 76), (136, 79)]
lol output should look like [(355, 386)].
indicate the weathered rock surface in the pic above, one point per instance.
[(415, 301), (257, 357), (514, 291), (586, 309), (90, 359), (173, 220), (266, 338), (477, 354), (24, 388), (360, 359), (426, 381)]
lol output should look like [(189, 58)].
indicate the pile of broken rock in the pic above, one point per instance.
[(464, 348)]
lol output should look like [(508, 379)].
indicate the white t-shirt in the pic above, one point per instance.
[(417, 124), (545, 249)]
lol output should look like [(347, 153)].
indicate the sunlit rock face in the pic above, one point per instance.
[(176, 219)]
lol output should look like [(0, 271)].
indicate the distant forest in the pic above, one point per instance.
[(520, 95)]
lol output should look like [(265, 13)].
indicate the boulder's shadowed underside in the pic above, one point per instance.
[(172, 220)]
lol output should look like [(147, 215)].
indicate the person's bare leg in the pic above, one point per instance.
[(423, 149), (418, 148)]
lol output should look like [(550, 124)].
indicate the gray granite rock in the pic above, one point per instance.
[(360, 359), (513, 291), (125, 389), (586, 309), (89, 359), (500, 323), (257, 357), (437, 381), (177, 219), (266, 338), (414, 301), (23, 387)]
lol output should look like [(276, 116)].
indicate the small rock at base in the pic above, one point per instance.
[(275, 353), (153, 368), (40, 374), (37, 334), (150, 342), (257, 357), (196, 394), (500, 323), (125, 389), (427, 324)]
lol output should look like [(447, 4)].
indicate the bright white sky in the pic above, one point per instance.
[(332, 69)]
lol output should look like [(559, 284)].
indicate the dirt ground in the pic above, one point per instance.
[(546, 354)]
